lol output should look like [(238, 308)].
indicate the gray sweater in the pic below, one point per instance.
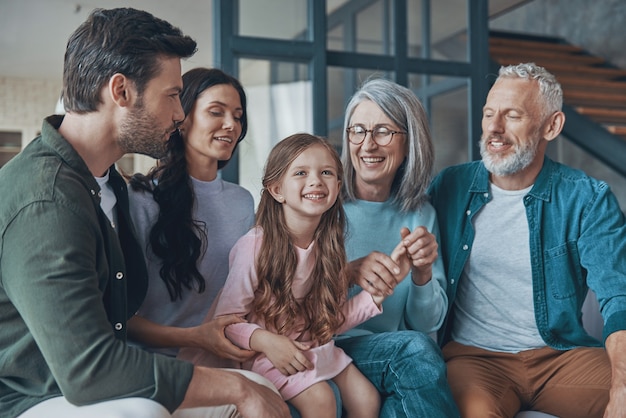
[(227, 210)]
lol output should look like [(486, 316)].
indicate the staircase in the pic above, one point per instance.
[(594, 91)]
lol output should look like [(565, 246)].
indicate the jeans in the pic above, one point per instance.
[(408, 370)]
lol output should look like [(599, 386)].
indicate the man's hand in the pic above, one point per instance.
[(214, 387), (616, 350), (261, 402)]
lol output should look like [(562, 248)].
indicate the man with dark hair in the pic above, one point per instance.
[(71, 271)]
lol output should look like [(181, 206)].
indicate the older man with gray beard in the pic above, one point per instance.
[(522, 240)]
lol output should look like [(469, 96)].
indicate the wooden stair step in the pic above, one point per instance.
[(615, 99), (619, 130), (608, 73), (544, 56), (570, 82), (530, 44), (604, 115)]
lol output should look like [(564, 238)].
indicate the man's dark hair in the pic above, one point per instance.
[(123, 40)]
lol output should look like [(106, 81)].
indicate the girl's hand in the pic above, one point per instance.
[(211, 337), (421, 247), (400, 258), (284, 353), (375, 273)]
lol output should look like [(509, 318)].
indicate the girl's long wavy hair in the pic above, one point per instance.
[(319, 312), (176, 238)]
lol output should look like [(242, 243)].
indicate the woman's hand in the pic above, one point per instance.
[(421, 247), (376, 273), (400, 258), (284, 353), (211, 337)]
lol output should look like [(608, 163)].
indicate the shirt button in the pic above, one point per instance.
[(486, 195), (451, 281), (100, 194), (119, 275), (465, 247), (118, 326), (468, 212)]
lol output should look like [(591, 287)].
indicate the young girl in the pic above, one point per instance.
[(289, 278)]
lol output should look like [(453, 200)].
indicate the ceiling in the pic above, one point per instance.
[(33, 33)]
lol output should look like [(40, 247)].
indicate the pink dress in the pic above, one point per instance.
[(238, 295)]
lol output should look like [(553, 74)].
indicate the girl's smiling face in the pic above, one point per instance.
[(310, 185)]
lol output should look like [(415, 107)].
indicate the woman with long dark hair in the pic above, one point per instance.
[(188, 218)]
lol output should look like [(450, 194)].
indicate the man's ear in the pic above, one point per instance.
[(121, 90), (276, 192), (554, 126)]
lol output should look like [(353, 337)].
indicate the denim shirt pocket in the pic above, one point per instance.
[(563, 272)]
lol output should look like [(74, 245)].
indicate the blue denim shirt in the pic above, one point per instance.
[(577, 237)]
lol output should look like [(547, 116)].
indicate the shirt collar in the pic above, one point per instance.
[(59, 145), (542, 188)]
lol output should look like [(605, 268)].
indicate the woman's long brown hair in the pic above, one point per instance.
[(276, 264)]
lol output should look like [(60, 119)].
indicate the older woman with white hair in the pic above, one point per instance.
[(388, 158)]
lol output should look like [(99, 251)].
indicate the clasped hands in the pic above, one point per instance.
[(379, 273)]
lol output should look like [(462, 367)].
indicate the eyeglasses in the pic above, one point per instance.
[(380, 135)]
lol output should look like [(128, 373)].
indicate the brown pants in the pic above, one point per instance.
[(570, 384)]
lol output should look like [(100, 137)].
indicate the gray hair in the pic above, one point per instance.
[(549, 89), (405, 110)]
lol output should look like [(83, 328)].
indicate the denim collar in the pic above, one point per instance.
[(542, 188)]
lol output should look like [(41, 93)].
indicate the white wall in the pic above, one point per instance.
[(24, 103)]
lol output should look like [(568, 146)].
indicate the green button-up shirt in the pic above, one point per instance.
[(66, 290)]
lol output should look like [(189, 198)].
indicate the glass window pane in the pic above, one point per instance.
[(360, 26), (415, 29), (279, 104), (447, 39), (445, 100), (279, 19)]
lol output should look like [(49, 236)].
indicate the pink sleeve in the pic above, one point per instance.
[(237, 295), (357, 310)]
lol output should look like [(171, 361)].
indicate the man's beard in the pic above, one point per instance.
[(139, 133), (511, 164)]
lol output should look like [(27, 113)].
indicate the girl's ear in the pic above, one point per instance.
[(275, 191)]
